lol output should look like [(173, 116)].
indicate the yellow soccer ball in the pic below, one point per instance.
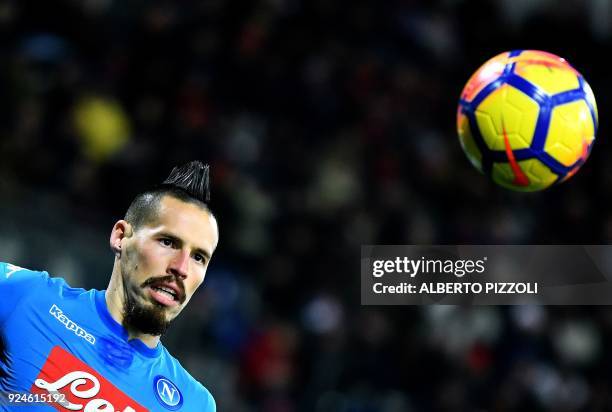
[(527, 119)]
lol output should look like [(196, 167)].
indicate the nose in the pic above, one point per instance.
[(179, 265)]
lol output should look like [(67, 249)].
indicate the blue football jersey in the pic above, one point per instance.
[(62, 350)]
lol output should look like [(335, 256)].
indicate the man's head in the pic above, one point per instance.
[(163, 247)]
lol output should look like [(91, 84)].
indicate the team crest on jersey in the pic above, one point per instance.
[(83, 387), (167, 393)]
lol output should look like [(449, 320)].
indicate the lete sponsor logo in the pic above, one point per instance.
[(85, 389)]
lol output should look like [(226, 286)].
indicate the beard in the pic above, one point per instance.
[(141, 317), (139, 313), (150, 319)]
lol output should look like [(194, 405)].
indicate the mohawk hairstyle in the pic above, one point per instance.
[(193, 178), (189, 182)]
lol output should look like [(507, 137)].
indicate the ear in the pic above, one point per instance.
[(121, 230)]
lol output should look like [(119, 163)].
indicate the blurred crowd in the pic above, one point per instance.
[(328, 125)]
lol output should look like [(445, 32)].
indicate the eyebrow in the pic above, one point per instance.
[(180, 241)]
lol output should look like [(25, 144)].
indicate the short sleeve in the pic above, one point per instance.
[(15, 283)]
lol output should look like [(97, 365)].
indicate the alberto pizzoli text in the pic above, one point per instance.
[(448, 288)]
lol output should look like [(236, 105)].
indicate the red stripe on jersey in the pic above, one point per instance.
[(83, 387)]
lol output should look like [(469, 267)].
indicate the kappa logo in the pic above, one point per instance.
[(167, 393), (70, 325)]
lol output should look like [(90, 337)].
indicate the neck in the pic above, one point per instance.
[(115, 302)]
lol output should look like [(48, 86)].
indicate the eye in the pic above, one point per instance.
[(199, 258), (166, 241)]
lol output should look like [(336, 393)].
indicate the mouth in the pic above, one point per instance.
[(164, 295)]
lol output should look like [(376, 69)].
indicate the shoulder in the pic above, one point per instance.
[(190, 387), (204, 397), (15, 278), (16, 274), (30, 288), (211, 405)]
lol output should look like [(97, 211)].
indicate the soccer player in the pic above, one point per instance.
[(90, 350)]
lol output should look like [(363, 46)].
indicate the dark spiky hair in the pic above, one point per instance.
[(189, 182), (193, 178)]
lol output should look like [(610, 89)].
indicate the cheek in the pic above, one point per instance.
[(150, 257), (129, 260), (140, 263), (193, 285)]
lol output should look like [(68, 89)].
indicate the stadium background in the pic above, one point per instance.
[(328, 125)]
